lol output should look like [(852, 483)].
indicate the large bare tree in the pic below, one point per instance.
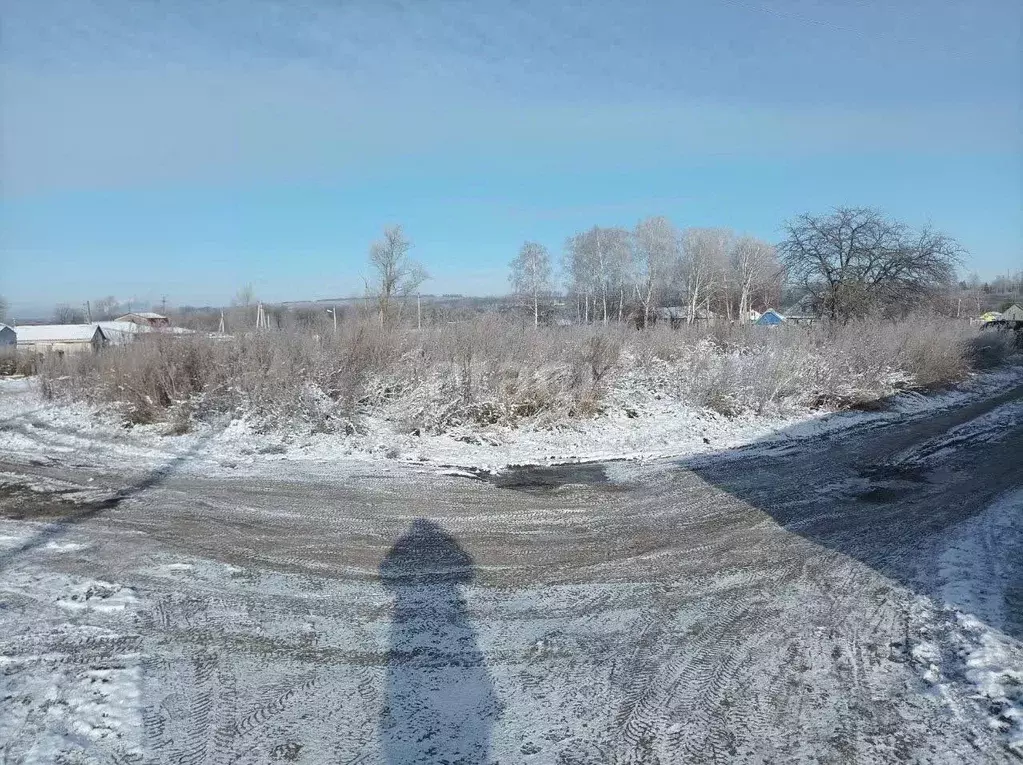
[(579, 274), (68, 314), (703, 265), (105, 308), (531, 275), (856, 260), (245, 296), (755, 268), (657, 251), (600, 260), (394, 273)]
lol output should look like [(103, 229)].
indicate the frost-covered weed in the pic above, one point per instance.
[(495, 371)]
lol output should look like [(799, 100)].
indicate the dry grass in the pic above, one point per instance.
[(491, 370)]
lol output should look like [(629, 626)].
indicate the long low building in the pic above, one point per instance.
[(145, 318), (123, 332), (60, 338)]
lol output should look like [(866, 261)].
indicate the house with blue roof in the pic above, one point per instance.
[(770, 318)]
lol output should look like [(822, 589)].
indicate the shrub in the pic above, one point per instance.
[(492, 370)]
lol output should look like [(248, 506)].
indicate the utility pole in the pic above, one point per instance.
[(334, 314), (88, 310), (163, 305), (419, 310), (221, 329)]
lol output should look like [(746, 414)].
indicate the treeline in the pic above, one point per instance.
[(614, 274), (849, 262), (974, 296), (852, 261)]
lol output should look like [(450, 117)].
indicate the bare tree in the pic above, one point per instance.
[(755, 266), (245, 296), (105, 308), (579, 271), (856, 259), (66, 314), (704, 255), (531, 274), (657, 253), (601, 260), (395, 275)]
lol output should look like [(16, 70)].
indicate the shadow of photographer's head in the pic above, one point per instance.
[(426, 554)]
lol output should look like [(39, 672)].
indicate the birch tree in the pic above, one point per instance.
[(580, 271), (754, 265), (656, 243), (245, 296), (105, 308), (531, 275), (622, 270), (704, 251), (394, 273)]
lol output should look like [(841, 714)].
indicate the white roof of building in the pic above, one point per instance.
[(122, 329), (6, 326), (141, 315), (57, 333), (121, 332), (123, 326)]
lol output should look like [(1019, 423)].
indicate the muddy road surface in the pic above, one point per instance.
[(857, 598)]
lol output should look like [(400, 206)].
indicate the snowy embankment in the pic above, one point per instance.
[(632, 426), (979, 569)]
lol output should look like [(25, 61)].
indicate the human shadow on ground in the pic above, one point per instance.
[(440, 702)]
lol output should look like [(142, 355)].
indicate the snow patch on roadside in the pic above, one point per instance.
[(637, 426), (980, 565), (70, 666)]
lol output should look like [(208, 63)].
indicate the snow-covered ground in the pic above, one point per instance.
[(776, 608), (68, 706), (979, 565), (642, 428)]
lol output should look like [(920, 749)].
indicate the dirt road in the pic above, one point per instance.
[(851, 599)]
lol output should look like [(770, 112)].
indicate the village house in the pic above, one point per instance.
[(145, 318), (122, 332), (770, 318), (8, 337), (1013, 313), (60, 338), (678, 316)]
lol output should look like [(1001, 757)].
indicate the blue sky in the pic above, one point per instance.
[(186, 148)]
